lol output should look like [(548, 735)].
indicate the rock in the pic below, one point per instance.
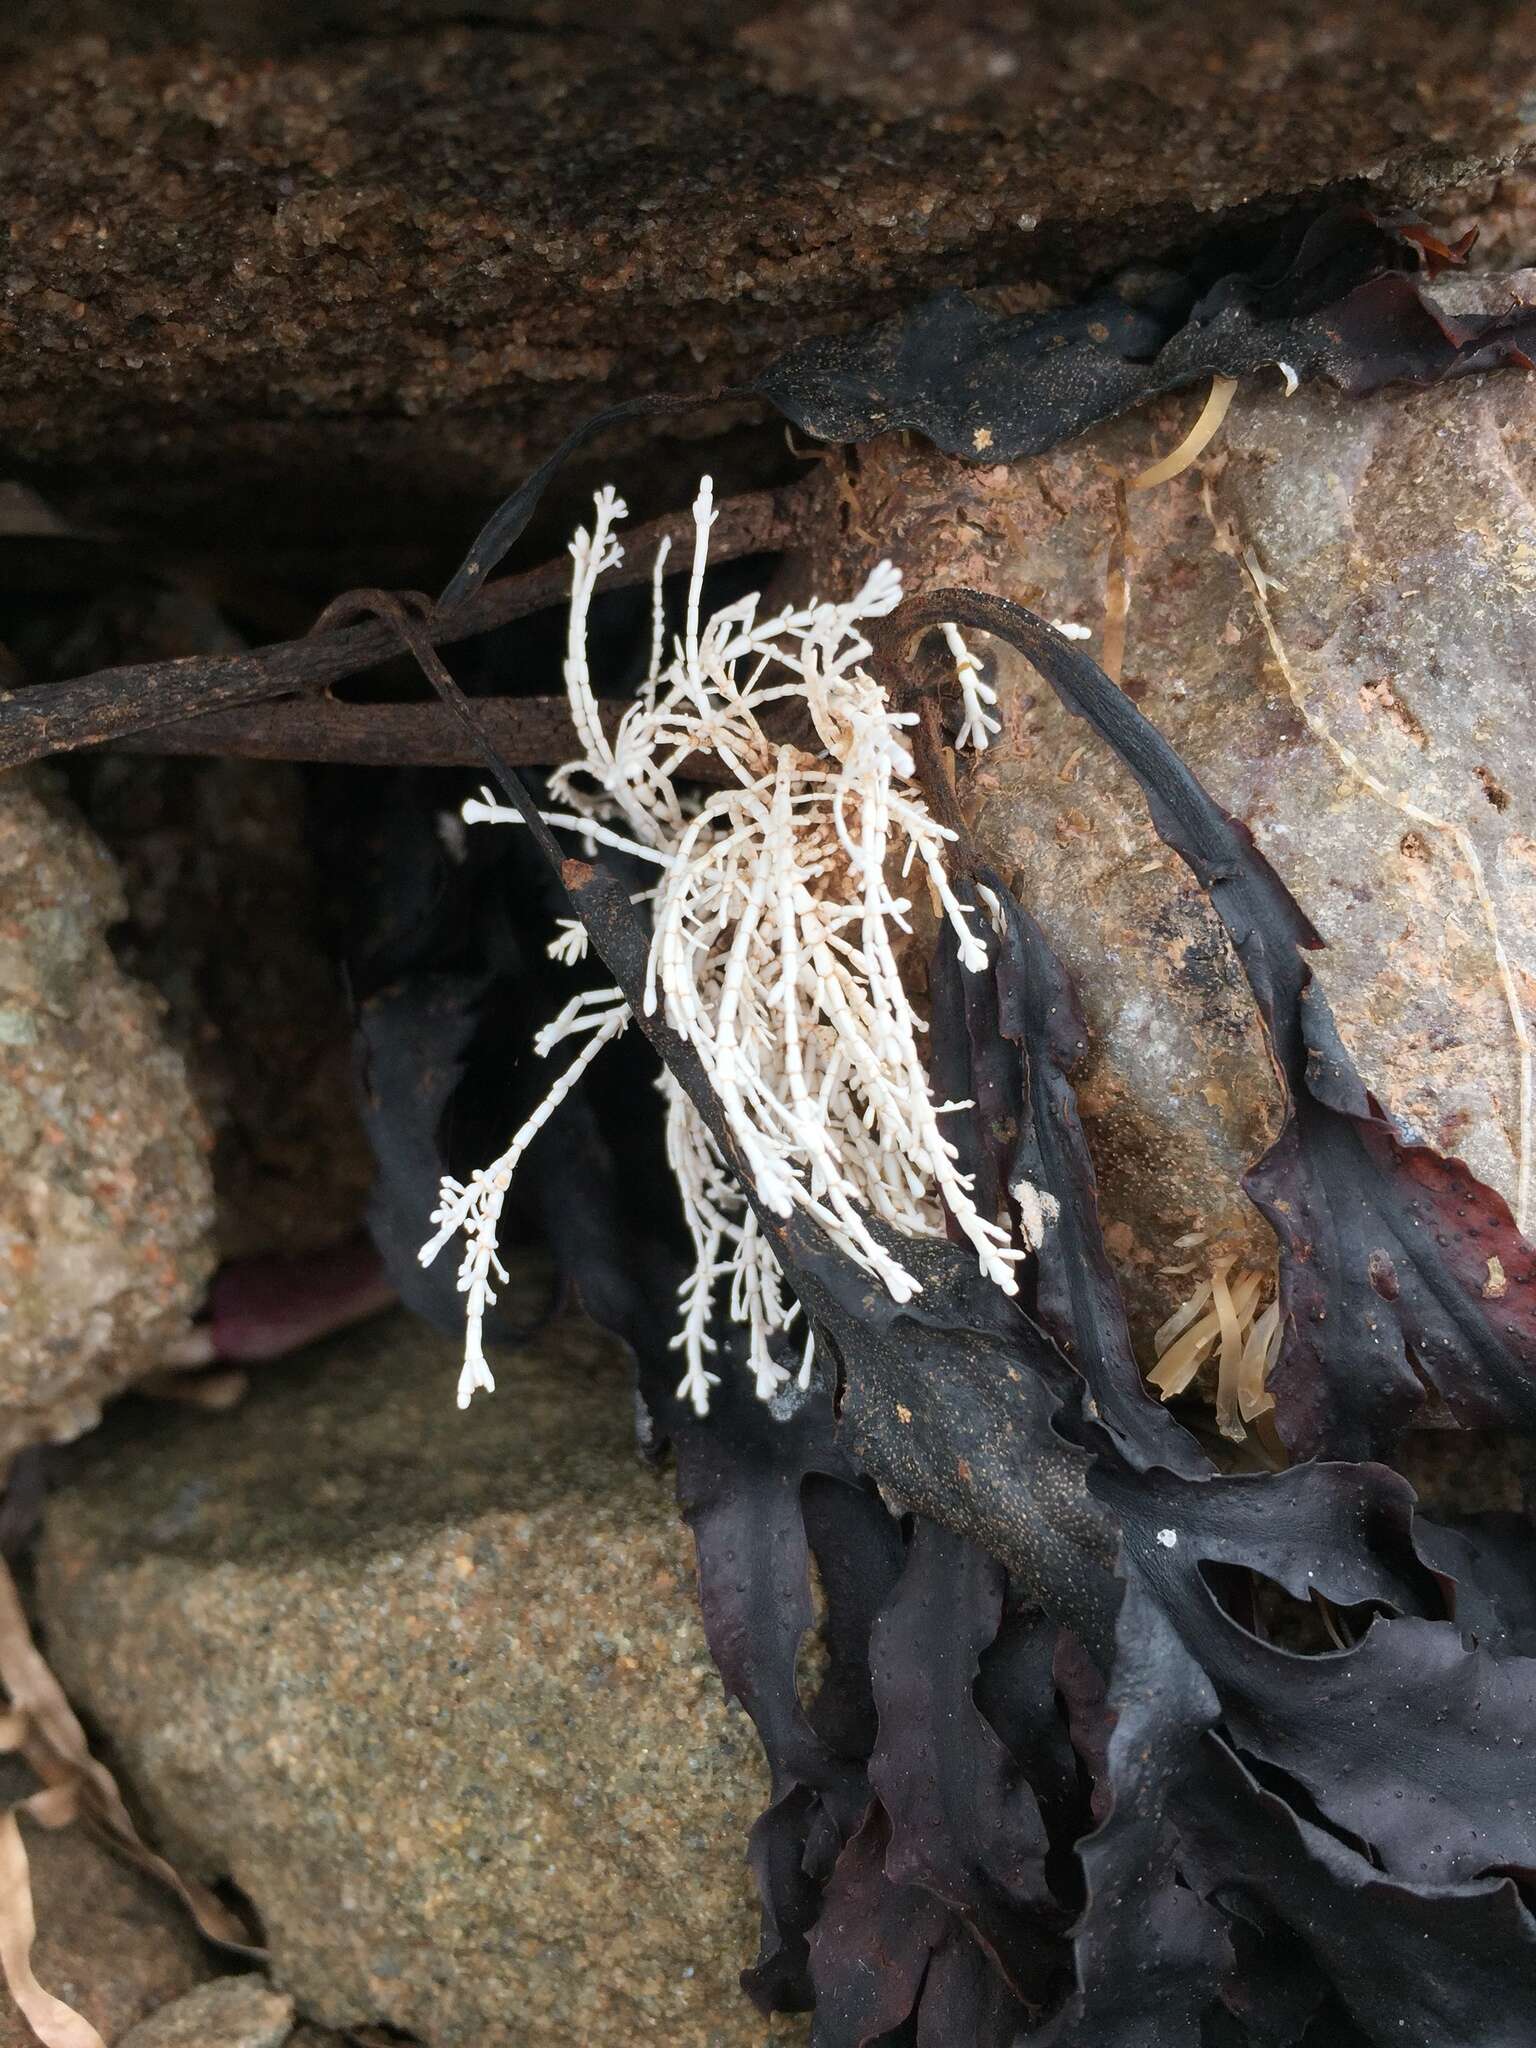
[(347, 272), (227, 2012), (1400, 534), (430, 1687), (225, 918), (1403, 539), (110, 1942), (105, 1197)]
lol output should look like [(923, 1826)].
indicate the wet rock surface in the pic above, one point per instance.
[(345, 270), (105, 1198), (1400, 538), (430, 1687)]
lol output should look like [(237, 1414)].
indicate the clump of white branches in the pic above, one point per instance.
[(773, 952)]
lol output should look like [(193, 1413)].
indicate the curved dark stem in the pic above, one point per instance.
[(118, 703), (915, 679), (506, 523), (1267, 927), (408, 617), (937, 785), (530, 732)]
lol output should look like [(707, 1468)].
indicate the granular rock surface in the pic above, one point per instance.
[(226, 2012), (1401, 540), (430, 1687), (296, 273), (106, 1207)]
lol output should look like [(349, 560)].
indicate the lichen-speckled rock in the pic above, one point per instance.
[(105, 1198), (1401, 535), (110, 1942), (430, 1687)]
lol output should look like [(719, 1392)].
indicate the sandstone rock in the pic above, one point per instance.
[(226, 2012), (1401, 538), (347, 270), (105, 1201), (430, 1687), (110, 1942)]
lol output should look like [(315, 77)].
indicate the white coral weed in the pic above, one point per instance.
[(772, 949)]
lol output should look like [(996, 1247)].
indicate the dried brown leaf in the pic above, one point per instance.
[(53, 1742), (55, 2024)]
